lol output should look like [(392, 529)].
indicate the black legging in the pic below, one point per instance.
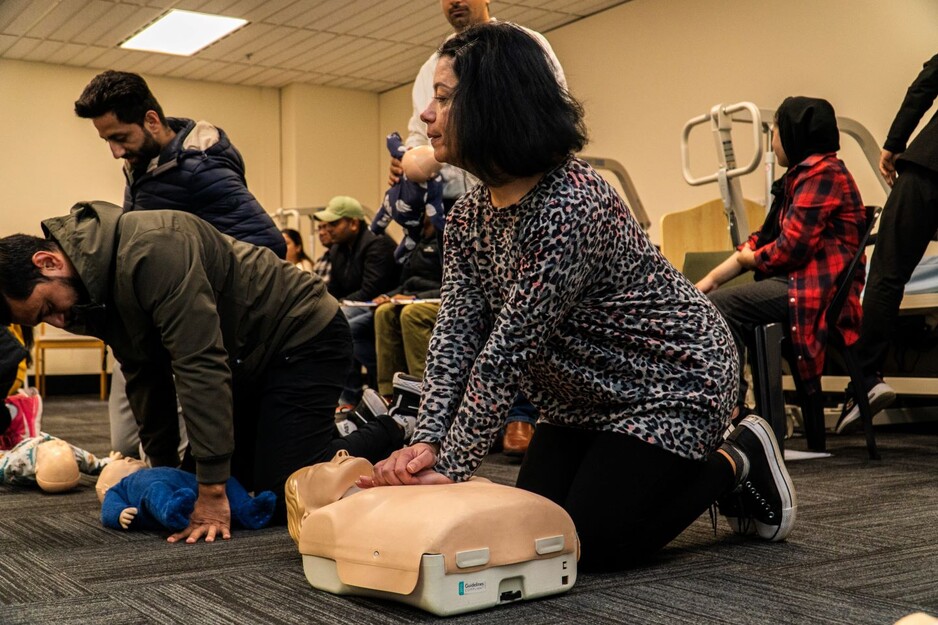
[(627, 498)]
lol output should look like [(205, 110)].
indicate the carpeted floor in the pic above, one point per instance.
[(864, 551)]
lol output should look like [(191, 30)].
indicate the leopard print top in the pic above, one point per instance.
[(563, 297)]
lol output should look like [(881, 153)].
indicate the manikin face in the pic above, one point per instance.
[(437, 112), (134, 143), (463, 13), (780, 155), (51, 301)]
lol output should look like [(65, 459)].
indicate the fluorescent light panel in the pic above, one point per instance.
[(183, 33)]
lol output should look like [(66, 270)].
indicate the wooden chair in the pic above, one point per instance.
[(702, 229), (63, 340)]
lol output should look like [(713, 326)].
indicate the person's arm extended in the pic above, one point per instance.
[(172, 287), (918, 99), (815, 198), (210, 518), (722, 273)]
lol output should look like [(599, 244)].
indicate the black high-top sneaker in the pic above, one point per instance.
[(763, 500)]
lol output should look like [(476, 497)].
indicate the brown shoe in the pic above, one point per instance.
[(517, 438)]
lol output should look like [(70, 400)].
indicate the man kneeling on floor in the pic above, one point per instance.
[(256, 350)]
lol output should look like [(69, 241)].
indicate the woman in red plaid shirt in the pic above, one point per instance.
[(811, 233)]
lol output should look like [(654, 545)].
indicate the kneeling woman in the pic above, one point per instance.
[(551, 287)]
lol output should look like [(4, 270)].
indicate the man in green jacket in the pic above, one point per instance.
[(255, 349)]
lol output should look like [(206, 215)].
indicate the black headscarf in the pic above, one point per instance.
[(807, 126)]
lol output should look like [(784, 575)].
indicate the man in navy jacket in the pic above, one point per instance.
[(175, 163), (170, 163)]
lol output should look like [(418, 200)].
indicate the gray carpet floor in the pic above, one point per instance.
[(864, 551)]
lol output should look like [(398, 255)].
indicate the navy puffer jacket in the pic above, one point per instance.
[(209, 183)]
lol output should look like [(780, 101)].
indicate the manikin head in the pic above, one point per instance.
[(56, 467), (419, 164), (114, 472)]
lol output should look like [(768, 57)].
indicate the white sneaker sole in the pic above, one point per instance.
[(880, 397), (374, 403), (411, 386), (786, 490)]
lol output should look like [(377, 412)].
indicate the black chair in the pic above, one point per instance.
[(770, 348)]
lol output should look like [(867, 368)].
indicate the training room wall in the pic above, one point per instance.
[(51, 158), (644, 68)]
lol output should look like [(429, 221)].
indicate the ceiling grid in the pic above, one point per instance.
[(372, 45)]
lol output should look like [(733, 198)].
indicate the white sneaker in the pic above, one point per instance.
[(880, 396)]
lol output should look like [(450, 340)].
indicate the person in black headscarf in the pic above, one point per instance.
[(811, 233)]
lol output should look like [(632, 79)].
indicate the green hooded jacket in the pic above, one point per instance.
[(175, 298)]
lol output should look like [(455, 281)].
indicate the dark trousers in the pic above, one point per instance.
[(286, 420), (627, 498), (907, 224), (746, 306)]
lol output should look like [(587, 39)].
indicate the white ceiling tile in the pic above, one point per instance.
[(5, 42), (22, 48), (17, 17), (372, 45), (113, 25)]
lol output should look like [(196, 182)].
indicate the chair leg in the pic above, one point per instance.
[(814, 422), (812, 413), (767, 371), (103, 373), (41, 372), (863, 402)]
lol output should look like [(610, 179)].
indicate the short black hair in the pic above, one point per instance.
[(18, 275), (122, 93), (510, 116)]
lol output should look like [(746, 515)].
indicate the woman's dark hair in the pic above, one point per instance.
[(297, 239), (18, 275), (509, 115), (122, 93)]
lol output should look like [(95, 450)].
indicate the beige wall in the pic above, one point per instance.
[(51, 158), (644, 68), (641, 69)]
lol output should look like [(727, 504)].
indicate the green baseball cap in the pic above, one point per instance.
[(341, 206)]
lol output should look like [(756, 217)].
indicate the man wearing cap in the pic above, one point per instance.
[(363, 268)]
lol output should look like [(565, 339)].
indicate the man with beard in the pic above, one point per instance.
[(170, 163), (256, 350), (173, 163)]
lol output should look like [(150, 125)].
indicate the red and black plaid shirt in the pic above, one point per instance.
[(821, 225)]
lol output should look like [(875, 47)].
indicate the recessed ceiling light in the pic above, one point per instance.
[(183, 32)]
